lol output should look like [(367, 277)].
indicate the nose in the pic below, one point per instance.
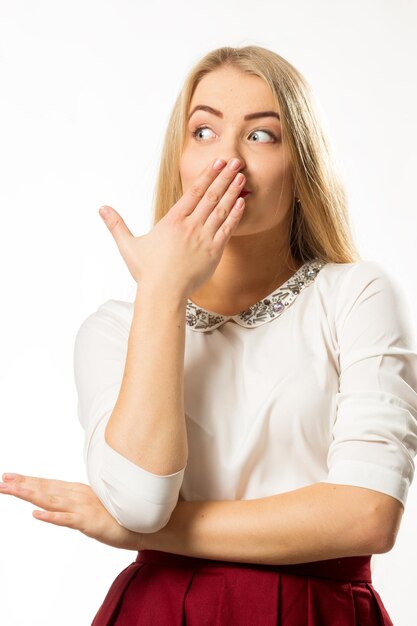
[(231, 148), (236, 155)]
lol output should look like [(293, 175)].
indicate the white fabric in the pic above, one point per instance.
[(326, 392)]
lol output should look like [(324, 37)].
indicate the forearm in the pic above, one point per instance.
[(317, 522), (147, 424)]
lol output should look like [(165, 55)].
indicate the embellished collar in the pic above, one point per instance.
[(267, 309)]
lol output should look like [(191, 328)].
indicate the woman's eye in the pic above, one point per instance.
[(197, 133), (198, 130), (266, 132)]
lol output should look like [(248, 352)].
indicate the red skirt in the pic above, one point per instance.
[(166, 589)]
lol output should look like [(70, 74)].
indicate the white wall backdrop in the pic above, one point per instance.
[(86, 88)]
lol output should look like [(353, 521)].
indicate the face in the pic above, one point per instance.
[(256, 142)]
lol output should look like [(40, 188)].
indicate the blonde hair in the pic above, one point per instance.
[(320, 221)]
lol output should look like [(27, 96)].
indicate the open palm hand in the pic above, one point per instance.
[(74, 505)]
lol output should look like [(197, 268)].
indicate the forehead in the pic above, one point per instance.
[(233, 91)]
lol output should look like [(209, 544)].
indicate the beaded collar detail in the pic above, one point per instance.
[(267, 309)]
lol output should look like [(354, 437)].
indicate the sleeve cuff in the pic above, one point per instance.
[(371, 476), (120, 474)]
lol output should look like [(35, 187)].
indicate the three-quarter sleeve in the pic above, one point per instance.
[(374, 435), (138, 499)]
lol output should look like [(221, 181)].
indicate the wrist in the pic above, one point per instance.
[(169, 294)]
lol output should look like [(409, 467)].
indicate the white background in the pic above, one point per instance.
[(86, 88)]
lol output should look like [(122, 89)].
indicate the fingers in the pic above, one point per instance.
[(230, 200), (54, 495), (70, 520), (225, 231), (34, 482), (116, 226), (49, 501), (218, 200), (60, 498), (205, 193), (69, 504), (187, 203)]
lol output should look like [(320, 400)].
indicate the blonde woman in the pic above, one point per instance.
[(250, 419)]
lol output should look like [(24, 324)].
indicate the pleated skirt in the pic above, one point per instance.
[(166, 589)]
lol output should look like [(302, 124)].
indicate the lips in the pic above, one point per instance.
[(244, 193)]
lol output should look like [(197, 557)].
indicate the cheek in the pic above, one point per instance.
[(280, 177), (274, 183), (187, 170), (183, 172), (270, 181)]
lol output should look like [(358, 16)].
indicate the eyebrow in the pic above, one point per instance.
[(250, 116)]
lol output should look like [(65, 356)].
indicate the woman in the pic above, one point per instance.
[(250, 418)]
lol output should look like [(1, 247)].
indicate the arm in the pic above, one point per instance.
[(317, 522), (106, 350), (147, 424), (358, 508), (146, 435)]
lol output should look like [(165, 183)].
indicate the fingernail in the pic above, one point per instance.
[(9, 476), (104, 211), (218, 164), (234, 164)]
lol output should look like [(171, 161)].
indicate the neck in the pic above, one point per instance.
[(251, 267)]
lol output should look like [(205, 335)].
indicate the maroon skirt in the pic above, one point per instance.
[(166, 589)]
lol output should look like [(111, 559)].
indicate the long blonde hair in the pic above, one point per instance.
[(320, 221)]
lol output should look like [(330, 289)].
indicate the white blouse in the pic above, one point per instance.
[(315, 383)]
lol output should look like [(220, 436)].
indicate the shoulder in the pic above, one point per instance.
[(368, 295), (112, 318), (356, 273), (346, 282), (364, 290)]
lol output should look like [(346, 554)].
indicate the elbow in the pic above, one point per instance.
[(386, 520), (137, 499), (382, 541), (139, 515), (130, 508), (137, 506)]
